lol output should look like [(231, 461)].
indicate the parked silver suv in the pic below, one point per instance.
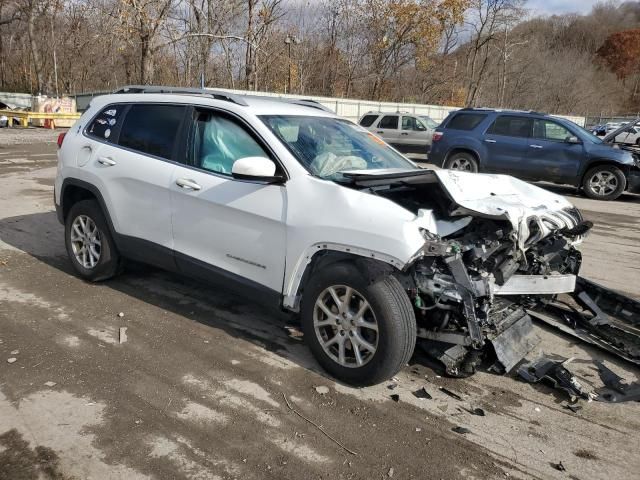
[(407, 132)]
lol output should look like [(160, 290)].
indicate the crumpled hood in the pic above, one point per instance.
[(505, 197)]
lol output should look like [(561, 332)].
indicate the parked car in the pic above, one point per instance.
[(286, 203), (536, 147), (598, 130), (406, 132), (629, 136)]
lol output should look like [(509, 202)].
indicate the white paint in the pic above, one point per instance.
[(197, 412), (164, 448), (63, 422), (250, 389), (107, 335)]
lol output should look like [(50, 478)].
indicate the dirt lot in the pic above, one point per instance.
[(198, 388)]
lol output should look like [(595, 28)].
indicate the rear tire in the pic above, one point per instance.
[(378, 317), (462, 161), (604, 182), (90, 246)]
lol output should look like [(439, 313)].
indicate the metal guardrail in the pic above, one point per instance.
[(26, 116)]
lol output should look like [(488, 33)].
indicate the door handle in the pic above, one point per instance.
[(188, 184), (404, 133), (380, 132), (488, 140), (535, 146), (106, 161)]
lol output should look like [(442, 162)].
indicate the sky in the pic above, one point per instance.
[(559, 7)]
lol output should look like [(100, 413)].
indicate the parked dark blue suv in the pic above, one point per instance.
[(536, 147)]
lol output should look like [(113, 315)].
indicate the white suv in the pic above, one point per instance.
[(289, 203)]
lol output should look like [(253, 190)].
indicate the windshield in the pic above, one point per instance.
[(431, 123), (329, 146), (584, 133)]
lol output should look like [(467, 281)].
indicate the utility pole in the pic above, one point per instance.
[(290, 40)]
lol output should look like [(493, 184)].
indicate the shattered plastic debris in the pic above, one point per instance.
[(11, 360), (15, 352), (422, 393), (50, 384), (322, 390), (395, 397), (616, 390), (123, 334), (450, 393), (555, 373), (461, 430), (559, 466)]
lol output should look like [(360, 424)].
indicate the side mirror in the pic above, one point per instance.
[(255, 168), (573, 140)]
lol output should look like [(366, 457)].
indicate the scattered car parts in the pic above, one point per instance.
[(556, 374)]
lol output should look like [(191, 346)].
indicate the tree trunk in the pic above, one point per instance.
[(35, 53)]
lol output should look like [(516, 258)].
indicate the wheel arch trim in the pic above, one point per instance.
[(305, 263), (74, 182)]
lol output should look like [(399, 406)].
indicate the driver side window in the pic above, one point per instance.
[(217, 142), (547, 130)]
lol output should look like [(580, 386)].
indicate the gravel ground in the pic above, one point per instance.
[(31, 135), (200, 386)]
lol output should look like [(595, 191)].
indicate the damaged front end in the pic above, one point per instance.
[(493, 246), (471, 288)]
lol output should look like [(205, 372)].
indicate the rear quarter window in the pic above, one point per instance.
[(368, 120), (466, 121), (106, 123)]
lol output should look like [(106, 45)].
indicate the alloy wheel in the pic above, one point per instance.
[(603, 183), (461, 164), (86, 242), (345, 326)]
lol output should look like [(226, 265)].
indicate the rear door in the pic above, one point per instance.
[(225, 228), (133, 158), (388, 128), (506, 141), (550, 156)]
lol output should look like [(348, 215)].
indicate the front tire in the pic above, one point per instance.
[(463, 162), (604, 182), (361, 332), (90, 246)]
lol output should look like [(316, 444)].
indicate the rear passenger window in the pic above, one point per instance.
[(511, 126), (368, 120), (466, 121), (152, 129), (106, 123), (389, 121)]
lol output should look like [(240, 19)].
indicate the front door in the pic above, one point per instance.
[(414, 136), (506, 142), (551, 157), (224, 228)]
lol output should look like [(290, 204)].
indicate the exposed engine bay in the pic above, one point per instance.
[(478, 271)]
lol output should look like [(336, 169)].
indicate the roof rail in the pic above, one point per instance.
[(491, 109), (217, 94)]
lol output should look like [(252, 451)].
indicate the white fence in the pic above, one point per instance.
[(354, 109), (347, 108)]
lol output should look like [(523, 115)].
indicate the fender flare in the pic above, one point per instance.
[(292, 284), (70, 181)]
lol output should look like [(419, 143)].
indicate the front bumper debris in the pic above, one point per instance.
[(596, 315)]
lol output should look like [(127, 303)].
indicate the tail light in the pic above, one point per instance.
[(437, 136), (61, 139)]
